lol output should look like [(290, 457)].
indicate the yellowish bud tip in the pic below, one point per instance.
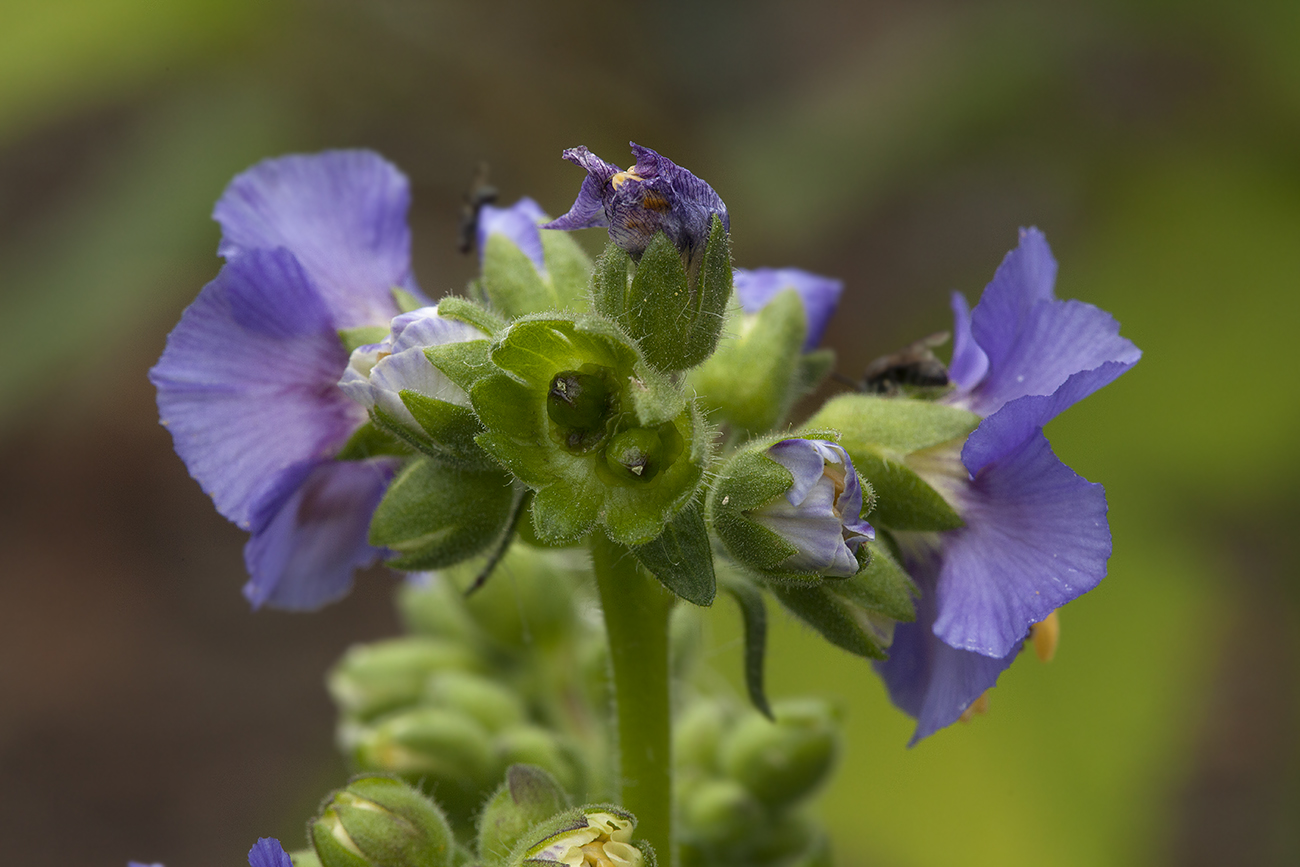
[(1045, 636), (979, 706)]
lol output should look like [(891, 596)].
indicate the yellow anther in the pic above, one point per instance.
[(621, 177), (1045, 636), (978, 706)]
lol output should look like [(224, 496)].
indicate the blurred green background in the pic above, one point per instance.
[(899, 145)]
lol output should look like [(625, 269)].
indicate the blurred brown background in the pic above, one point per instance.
[(145, 713)]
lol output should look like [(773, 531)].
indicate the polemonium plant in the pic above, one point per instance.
[(627, 417)]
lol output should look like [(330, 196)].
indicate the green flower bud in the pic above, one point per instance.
[(381, 822), (372, 679), (443, 750), (783, 762), (494, 706), (597, 835), (534, 745), (720, 812), (528, 797), (697, 735), (304, 858), (577, 415)]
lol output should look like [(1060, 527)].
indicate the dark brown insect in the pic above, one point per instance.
[(914, 365), (482, 193)]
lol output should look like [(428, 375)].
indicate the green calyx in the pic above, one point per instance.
[(899, 446), (379, 820), (673, 309), (512, 284), (574, 412)]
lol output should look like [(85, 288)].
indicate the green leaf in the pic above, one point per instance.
[(351, 338), (754, 616), (682, 558), (434, 515)]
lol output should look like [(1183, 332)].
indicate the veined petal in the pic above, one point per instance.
[(519, 223), (246, 384), (820, 295), (341, 213), (1033, 342), (588, 211), (1035, 538), (969, 363), (1009, 427), (305, 555), (267, 852), (928, 679)]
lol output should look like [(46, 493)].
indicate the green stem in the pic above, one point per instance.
[(636, 620)]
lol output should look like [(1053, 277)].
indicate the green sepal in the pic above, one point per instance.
[(352, 338), (451, 429), (372, 441), (756, 375), (405, 301), (528, 796), (749, 480), (675, 317), (857, 613), (435, 515), (513, 285), (682, 558), (880, 434), (568, 267), (784, 761), (753, 615), (465, 310)]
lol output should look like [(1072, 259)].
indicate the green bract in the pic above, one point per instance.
[(888, 439), (576, 414)]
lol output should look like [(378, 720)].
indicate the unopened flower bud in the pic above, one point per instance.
[(381, 821), (534, 745), (792, 510), (528, 797), (372, 679), (493, 705), (638, 454), (783, 762), (719, 812)]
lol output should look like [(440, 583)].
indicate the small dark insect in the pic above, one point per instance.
[(482, 193), (913, 365)]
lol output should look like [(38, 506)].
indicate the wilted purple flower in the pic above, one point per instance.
[(378, 372), (520, 223), (1036, 535), (821, 513), (267, 852), (247, 382), (655, 195), (819, 295)]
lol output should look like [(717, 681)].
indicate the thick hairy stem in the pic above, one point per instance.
[(636, 619)]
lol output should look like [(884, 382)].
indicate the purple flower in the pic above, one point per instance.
[(247, 384), (819, 295), (1036, 534), (377, 373), (519, 223), (821, 513), (655, 195), (267, 852)]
